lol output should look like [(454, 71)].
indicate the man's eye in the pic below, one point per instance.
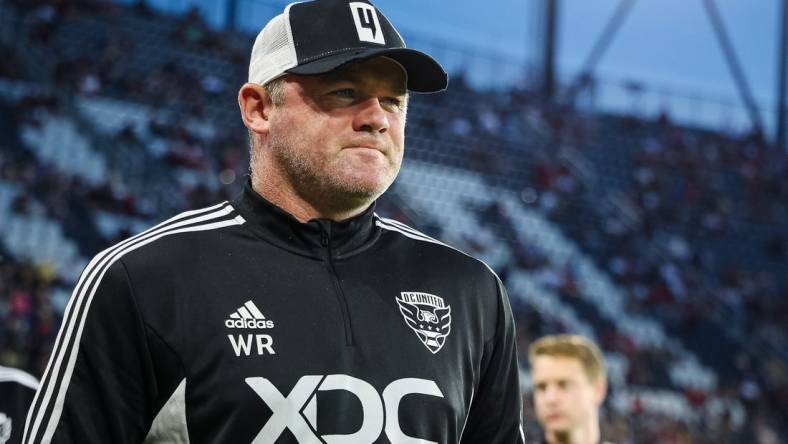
[(345, 92), (392, 102)]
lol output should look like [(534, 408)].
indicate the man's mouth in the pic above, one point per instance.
[(554, 416), (367, 144)]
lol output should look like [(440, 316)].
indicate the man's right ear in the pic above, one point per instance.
[(256, 105)]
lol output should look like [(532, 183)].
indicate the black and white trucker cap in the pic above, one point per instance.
[(318, 36)]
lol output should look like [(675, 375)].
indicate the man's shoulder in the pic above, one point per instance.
[(175, 235), (149, 265), (440, 253)]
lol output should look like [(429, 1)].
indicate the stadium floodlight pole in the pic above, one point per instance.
[(605, 39), (548, 54), (733, 64), (781, 79), (231, 14)]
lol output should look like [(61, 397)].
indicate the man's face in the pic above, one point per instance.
[(338, 138), (564, 398)]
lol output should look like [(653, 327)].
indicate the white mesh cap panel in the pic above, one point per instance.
[(273, 52)]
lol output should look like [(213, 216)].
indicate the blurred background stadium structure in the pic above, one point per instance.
[(660, 236)]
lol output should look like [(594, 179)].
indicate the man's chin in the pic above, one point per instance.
[(365, 197), (560, 436), (357, 193), (365, 185), (557, 426)]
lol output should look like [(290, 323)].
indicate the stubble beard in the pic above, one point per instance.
[(322, 186)]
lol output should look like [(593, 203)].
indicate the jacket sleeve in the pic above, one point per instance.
[(495, 415), (100, 384)]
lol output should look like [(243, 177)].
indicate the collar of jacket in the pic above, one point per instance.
[(312, 238)]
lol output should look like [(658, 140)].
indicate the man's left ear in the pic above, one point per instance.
[(600, 391)]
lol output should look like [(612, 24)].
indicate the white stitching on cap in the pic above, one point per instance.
[(315, 57)]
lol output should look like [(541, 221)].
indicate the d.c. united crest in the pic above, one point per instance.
[(428, 316)]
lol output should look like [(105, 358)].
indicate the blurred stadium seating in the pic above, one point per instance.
[(665, 244)]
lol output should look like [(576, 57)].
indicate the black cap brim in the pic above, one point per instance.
[(425, 75)]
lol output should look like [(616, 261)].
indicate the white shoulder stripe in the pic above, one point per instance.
[(79, 305), (393, 225), (397, 224), (408, 234), (8, 374)]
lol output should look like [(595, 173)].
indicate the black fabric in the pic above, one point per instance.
[(325, 26), (332, 349), (15, 398), (423, 75), (278, 227), (325, 37)]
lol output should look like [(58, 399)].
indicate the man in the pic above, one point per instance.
[(16, 393), (294, 313), (569, 386)]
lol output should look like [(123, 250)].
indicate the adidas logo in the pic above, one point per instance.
[(248, 316)]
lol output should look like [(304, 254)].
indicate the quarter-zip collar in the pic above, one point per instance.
[(280, 228)]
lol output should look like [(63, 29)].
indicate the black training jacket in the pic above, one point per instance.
[(239, 324)]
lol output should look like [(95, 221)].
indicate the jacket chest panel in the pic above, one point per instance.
[(277, 333)]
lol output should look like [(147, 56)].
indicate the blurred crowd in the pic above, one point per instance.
[(654, 225), (28, 318)]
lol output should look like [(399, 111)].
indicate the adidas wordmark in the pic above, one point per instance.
[(248, 316)]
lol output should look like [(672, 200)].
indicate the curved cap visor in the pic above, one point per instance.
[(425, 75)]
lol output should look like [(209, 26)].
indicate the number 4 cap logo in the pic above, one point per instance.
[(367, 25)]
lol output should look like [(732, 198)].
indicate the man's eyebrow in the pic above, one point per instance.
[(350, 75), (396, 88), (339, 76)]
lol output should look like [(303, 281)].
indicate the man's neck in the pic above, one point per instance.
[(284, 197), (580, 435)]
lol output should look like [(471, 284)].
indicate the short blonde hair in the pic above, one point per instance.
[(571, 346), (276, 90)]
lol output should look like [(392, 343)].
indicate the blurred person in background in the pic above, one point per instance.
[(569, 386)]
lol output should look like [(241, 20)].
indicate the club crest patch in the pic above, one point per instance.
[(428, 316)]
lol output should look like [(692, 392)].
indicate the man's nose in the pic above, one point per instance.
[(551, 394), (371, 117)]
